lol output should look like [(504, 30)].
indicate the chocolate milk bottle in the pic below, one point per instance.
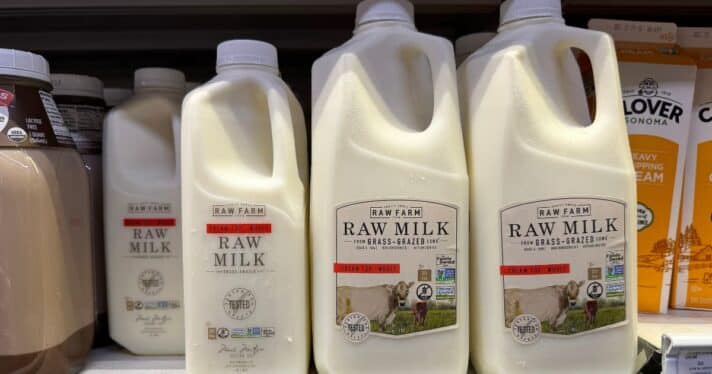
[(46, 292)]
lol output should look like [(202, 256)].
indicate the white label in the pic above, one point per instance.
[(694, 363), (563, 266), (396, 264), (61, 132), (84, 123), (153, 245)]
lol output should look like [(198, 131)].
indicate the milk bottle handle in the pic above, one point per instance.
[(284, 150), (175, 124), (602, 53), (444, 78)]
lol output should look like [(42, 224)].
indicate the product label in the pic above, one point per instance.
[(153, 241), (396, 268), (238, 250), (29, 118), (657, 101), (84, 123), (694, 363), (563, 266)]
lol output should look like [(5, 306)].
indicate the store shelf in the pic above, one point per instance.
[(651, 327), (113, 360)]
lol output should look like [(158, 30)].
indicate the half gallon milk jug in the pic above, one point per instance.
[(46, 293), (244, 218), (389, 201), (553, 209), (80, 99), (142, 215)]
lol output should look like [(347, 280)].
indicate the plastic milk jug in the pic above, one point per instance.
[(553, 208), (142, 215), (244, 218), (389, 201)]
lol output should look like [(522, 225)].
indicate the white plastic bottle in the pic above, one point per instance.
[(467, 44), (142, 215), (244, 210), (553, 209), (389, 201)]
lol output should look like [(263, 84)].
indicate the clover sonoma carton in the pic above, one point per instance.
[(46, 294), (553, 207), (244, 218), (658, 86), (692, 284), (142, 215), (389, 201)]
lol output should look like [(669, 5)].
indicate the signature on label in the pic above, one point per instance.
[(245, 351)]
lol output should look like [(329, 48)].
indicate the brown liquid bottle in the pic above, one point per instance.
[(46, 284)]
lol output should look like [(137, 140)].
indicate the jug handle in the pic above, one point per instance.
[(602, 53), (175, 124), (444, 80), (284, 151)]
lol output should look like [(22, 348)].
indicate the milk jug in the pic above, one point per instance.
[(80, 100), (389, 201), (244, 218), (142, 215), (467, 44), (553, 209), (46, 293)]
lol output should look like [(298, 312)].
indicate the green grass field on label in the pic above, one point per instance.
[(404, 323)]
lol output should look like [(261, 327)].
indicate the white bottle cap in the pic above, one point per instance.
[(515, 10), (77, 85), (384, 10), (24, 64), (246, 52), (469, 43), (115, 96), (159, 78)]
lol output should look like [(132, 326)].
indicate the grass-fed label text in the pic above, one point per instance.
[(563, 266), (396, 267)]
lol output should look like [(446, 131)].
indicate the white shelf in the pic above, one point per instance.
[(651, 327), (113, 360)]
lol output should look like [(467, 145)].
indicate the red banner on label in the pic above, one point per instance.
[(367, 268), (149, 222), (239, 228), (535, 269)]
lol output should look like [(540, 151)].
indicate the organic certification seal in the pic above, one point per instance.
[(356, 327), (239, 303), (526, 329)]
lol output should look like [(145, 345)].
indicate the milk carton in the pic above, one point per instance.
[(553, 207), (658, 86), (388, 201), (692, 284), (244, 218), (142, 215)]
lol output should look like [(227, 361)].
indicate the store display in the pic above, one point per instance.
[(46, 293), (658, 85), (245, 183), (468, 44), (142, 215), (115, 96), (388, 201), (553, 207), (692, 286), (80, 100)]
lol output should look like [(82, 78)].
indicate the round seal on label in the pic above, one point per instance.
[(526, 329), (594, 290), (356, 327), (17, 135), (150, 282), (239, 303)]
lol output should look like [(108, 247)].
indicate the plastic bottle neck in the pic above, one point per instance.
[(377, 25), (228, 69), (530, 21)]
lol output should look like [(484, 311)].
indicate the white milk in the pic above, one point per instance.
[(388, 201), (244, 218), (468, 44), (553, 208), (142, 215)]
